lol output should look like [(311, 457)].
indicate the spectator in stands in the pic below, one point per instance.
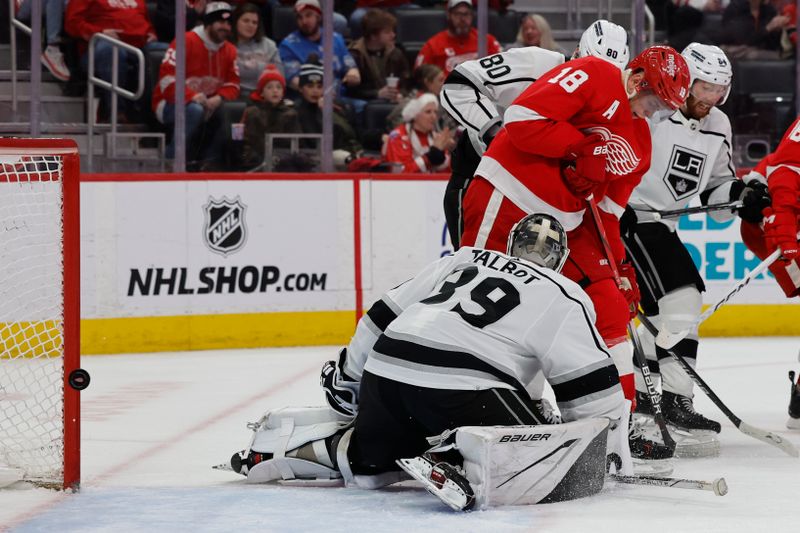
[(534, 30), (254, 50), (425, 79), (211, 78), (164, 17), (378, 59), (362, 6), (751, 29), (686, 21), (53, 13), (416, 144), (125, 20), (458, 43), (307, 39), (309, 110), (267, 113)]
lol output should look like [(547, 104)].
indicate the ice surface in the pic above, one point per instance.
[(154, 424)]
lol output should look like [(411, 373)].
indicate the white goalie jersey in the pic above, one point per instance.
[(690, 158), (480, 319), (477, 92)]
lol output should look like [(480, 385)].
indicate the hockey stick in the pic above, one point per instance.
[(760, 434), (665, 339), (718, 486), (676, 213), (638, 350)]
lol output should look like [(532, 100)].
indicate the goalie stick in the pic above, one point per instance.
[(676, 213), (666, 340), (760, 434), (638, 351), (718, 486)]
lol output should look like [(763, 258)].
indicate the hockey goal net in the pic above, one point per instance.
[(39, 311)]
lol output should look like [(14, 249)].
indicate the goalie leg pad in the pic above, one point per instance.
[(293, 440), (514, 465)]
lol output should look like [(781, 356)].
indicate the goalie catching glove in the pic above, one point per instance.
[(586, 165), (341, 391)]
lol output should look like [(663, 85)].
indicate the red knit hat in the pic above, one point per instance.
[(271, 73)]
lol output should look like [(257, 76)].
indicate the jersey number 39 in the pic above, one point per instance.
[(497, 296)]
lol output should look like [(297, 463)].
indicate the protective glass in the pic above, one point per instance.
[(651, 106), (708, 93)]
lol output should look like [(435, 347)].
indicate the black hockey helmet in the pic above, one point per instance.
[(540, 239)]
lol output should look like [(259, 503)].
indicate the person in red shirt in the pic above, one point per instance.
[(781, 171), (211, 78), (415, 144), (125, 20), (458, 43), (578, 131)]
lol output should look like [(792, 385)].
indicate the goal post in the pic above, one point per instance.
[(40, 376)]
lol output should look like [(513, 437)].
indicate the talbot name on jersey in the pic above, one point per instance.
[(502, 264), (525, 438), (684, 172)]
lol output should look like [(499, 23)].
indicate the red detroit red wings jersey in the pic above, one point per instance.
[(568, 102), (448, 51)]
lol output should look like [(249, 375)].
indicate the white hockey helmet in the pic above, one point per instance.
[(605, 40), (540, 239), (709, 63)]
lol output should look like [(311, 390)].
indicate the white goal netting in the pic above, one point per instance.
[(31, 316)]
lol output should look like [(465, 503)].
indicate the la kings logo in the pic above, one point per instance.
[(684, 171), (224, 231)]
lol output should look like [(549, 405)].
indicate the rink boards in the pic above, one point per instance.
[(178, 262)]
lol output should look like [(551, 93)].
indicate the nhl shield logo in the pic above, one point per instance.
[(224, 231)]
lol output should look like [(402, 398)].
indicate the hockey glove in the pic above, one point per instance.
[(586, 165), (755, 198), (780, 230), (629, 288), (341, 391)]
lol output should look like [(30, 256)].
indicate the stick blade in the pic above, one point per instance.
[(720, 486), (770, 438)]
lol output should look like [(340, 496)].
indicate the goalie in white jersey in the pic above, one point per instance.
[(477, 93), (691, 157), (454, 348)]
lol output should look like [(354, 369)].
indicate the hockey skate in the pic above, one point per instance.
[(642, 445), (794, 403), (441, 479), (679, 411), (687, 443)]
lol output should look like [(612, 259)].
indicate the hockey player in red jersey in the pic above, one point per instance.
[(781, 169), (579, 131)]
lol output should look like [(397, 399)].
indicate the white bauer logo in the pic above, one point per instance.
[(621, 159)]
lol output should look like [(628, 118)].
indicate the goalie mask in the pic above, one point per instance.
[(540, 239), (605, 40)]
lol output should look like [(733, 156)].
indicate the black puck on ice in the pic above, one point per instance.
[(79, 379)]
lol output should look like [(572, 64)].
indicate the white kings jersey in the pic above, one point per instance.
[(477, 92), (689, 158), (480, 319)]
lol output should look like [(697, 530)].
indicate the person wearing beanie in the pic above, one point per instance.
[(267, 113), (296, 48), (254, 50), (416, 144), (309, 108), (211, 78), (458, 43)]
